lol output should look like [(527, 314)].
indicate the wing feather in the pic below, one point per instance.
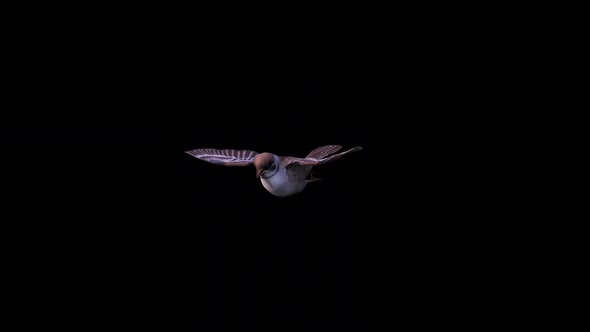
[(324, 151), (227, 157), (310, 161)]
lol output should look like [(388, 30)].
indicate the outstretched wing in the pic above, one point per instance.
[(225, 157), (324, 151), (312, 161)]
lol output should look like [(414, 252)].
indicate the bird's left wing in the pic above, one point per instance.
[(310, 161), (225, 157)]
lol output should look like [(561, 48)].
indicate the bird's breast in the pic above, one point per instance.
[(281, 185)]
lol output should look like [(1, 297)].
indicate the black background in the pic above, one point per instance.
[(116, 227), (111, 225), (108, 224)]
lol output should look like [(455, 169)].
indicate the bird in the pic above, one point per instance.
[(280, 175)]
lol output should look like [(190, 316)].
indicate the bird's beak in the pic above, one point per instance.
[(260, 172)]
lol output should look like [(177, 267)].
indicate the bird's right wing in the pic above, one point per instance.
[(312, 161), (324, 151), (225, 157)]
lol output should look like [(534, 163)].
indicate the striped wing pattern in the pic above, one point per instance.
[(309, 161), (324, 151), (225, 157)]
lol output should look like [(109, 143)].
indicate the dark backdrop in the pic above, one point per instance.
[(108, 224)]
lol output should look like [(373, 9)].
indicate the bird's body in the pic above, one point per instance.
[(281, 176), (280, 184), (287, 180)]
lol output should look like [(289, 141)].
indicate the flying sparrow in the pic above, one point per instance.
[(280, 175)]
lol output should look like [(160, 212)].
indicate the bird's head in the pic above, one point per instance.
[(266, 165)]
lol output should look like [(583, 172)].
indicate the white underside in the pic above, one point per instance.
[(279, 184)]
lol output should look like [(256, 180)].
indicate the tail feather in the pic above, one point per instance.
[(312, 178)]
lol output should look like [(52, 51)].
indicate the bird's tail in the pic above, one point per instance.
[(312, 178)]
